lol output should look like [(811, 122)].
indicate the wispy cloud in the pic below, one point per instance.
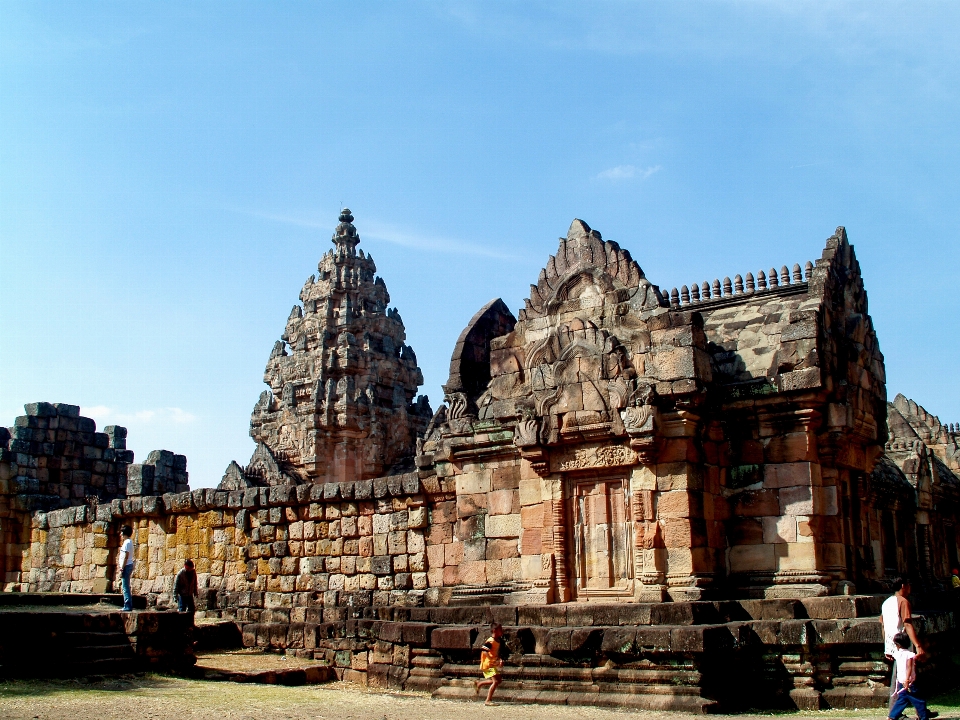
[(392, 234), (627, 172), (175, 415)]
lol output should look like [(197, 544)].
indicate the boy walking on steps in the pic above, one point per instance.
[(491, 663)]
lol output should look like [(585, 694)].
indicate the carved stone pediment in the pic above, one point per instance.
[(586, 272), (579, 378)]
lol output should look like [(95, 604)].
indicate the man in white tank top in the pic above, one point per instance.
[(895, 617)]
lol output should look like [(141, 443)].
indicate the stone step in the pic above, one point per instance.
[(648, 677), (648, 701), (93, 653), (574, 686), (87, 638)]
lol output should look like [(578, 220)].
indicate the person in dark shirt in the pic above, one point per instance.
[(185, 587)]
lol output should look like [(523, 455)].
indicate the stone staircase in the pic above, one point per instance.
[(540, 680), (41, 638)]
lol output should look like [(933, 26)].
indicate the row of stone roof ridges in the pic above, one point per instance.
[(740, 286)]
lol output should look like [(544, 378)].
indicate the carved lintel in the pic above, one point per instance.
[(592, 456)]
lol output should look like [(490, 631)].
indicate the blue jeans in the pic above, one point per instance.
[(125, 587), (185, 603), (903, 697)]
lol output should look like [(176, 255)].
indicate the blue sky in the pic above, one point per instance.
[(170, 174)]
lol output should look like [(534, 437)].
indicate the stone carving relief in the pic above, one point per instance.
[(639, 422), (584, 458), (578, 379)]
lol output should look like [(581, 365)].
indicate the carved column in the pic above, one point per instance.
[(650, 561), (558, 521)]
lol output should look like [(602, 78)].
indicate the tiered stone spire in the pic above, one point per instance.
[(342, 380)]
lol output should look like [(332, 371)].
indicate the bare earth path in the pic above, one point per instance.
[(163, 698)]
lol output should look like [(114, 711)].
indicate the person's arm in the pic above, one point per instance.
[(908, 626), (911, 673), (121, 559)]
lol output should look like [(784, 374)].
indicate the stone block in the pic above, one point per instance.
[(531, 491), (445, 512), (454, 638), (796, 556), (780, 529), (791, 448), (826, 501), (756, 503), (499, 526), (381, 565), (790, 474), (796, 501), (532, 516), (473, 482), (470, 505), (503, 502), (435, 556), (683, 532), (752, 558), (531, 541), (453, 553), (417, 518), (679, 504), (501, 549), (473, 572)]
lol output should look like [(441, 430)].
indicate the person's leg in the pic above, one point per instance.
[(189, 604), (919, 704), (181, 605), (494, 684), (898, 704), (125, 587)]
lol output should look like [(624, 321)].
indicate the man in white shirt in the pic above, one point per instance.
[(125, 566)]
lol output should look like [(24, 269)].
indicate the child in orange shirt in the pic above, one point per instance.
[(491, 662)]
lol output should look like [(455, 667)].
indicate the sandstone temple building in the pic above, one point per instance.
[(614, 458)]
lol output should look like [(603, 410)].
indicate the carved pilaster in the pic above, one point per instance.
[(558, 520)]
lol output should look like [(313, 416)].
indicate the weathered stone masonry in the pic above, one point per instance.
[(636, 482)]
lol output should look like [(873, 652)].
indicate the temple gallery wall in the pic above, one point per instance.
[(612, 444)]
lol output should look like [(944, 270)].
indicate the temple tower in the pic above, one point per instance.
[(341, 404)]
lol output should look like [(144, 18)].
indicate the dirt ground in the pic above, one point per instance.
[(250, 661), (164, 698)]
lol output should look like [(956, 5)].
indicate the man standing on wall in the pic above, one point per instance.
[(125, 566), (185, 587)]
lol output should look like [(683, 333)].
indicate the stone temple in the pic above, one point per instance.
[(646, 487)]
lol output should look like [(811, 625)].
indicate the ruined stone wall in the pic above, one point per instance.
[(272, 550)]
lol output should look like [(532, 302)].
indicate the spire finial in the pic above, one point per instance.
[(345, 236)]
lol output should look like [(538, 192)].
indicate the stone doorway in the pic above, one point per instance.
[(602, 538)]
